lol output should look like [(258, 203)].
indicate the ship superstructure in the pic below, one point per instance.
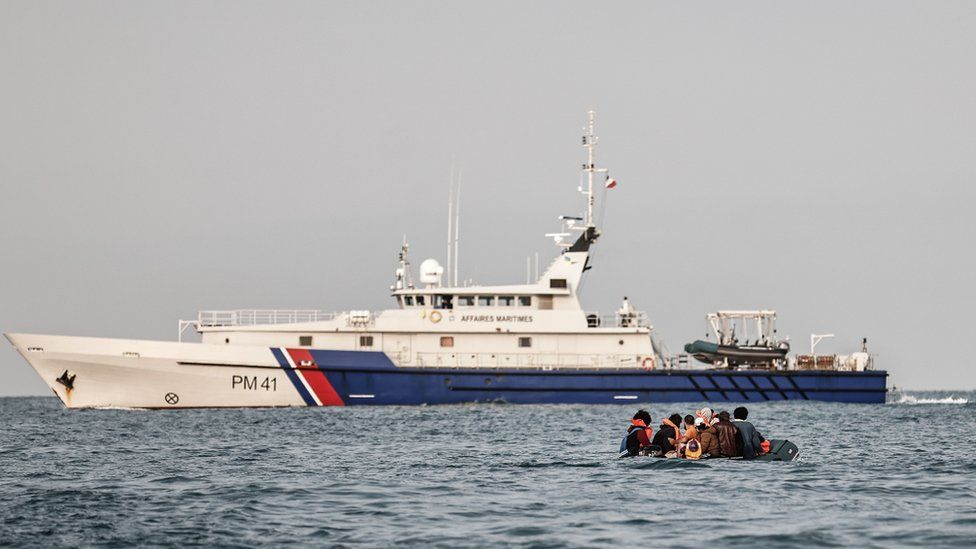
[(439, 343), (541, 324)]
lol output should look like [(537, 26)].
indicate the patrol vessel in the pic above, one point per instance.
[(441, 342)]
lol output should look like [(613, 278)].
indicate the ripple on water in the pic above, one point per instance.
[(473, 476)]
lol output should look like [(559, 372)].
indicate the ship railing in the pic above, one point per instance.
[(688, 362), (547, 361), (637, 319), (251, 317), (684, 361)]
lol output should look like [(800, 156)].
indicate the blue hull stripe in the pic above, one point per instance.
[(293, 376), (370, 377)]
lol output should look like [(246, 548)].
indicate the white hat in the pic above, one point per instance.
[(699, 421)]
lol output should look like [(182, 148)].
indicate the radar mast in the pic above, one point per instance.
[(587, 223)]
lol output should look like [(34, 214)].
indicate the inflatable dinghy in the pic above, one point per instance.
[(779, 450)]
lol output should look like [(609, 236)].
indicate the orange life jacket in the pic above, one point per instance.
[(647, 430), (637, 429)]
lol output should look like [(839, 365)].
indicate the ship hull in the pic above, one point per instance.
[(92, 372)]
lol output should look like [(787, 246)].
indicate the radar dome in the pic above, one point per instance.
[(430, 272)]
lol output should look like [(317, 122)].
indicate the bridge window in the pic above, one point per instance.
[(444, 302), (525, 301), (545, 302), (486, 300), (447, 341), (466, 300), (506, 300), (365, 341), (408, 300), (304, 341), (557, 283), (421, 300), (525, 342)]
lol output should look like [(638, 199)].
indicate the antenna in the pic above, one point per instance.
[(450, 221), (457, 225), (585, 225)]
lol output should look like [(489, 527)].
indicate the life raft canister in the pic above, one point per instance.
[(648, 363), (693, 449), (435, 317)]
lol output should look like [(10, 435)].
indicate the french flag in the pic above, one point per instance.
[(611, 183)]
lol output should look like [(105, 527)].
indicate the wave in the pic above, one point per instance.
[(909, 399)]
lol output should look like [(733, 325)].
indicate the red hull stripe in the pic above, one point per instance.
[(306, 367)]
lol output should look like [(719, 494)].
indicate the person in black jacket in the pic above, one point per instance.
[(667, 435), (749, 438)]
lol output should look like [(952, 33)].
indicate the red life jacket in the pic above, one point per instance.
[(645, 434)]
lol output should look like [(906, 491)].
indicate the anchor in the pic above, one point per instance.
[(68, 380)]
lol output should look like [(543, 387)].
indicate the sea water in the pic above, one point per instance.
[(542, 476)]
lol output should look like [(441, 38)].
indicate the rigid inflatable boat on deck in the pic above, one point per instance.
[(710, 353), (765, 350)]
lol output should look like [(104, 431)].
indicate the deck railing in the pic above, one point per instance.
[(250, 317), (637, 319), (520, 360)]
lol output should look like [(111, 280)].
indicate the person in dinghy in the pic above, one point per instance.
[(637, 441), (698, 441)]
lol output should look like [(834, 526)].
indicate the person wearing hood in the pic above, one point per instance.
[(638, 436), (728, 436), (709, 442), (705, 414)]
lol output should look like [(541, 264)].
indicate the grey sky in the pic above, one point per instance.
[(818, 158)]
